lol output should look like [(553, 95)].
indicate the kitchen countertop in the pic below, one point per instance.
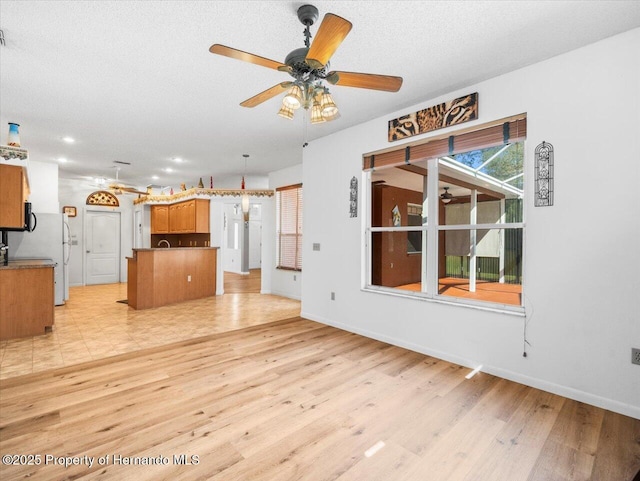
[(173, 248), (28, 264)]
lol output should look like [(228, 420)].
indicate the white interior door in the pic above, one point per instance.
[(102, 242), (232, 241), (255, 236)]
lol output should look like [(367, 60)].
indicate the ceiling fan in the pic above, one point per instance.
[(309, 67), (118, 188)]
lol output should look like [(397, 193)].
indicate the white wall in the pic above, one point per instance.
[(43, 186), (216, 227), (281, 282), (581, 255), (74, 193), (235, 181), (49, 193)]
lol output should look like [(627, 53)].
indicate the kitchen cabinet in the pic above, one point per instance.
[(15, 191), (159, 219), (157, 277), (27, 293), (187, 217)]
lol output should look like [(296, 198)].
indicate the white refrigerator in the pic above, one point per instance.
[(49, 240)]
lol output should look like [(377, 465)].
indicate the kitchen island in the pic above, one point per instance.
[(161, 276), (27, 298)]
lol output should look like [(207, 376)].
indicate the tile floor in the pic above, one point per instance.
[(93, 325)]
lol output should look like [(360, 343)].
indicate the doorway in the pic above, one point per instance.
[(232, 243), (102, 247), (240, 256)]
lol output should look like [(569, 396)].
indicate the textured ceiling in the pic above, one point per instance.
[(133, 81)]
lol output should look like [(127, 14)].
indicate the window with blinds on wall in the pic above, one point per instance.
[(456, 202), (289, 233)]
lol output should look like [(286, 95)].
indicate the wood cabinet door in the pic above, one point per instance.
[(202, 216), (182, 217), (14, 195), (189, 216), (174, 218), (159, 219)]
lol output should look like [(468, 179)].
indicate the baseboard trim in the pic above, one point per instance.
[(286, 294), (543, 385)]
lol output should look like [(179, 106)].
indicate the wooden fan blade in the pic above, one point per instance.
[(267, 94), (330, 34), (119, 189), (131, 190), (246, 57), (387, 83)]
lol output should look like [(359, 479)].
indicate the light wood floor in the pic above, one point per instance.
[(296, 400), (235, 283), (93, 325)]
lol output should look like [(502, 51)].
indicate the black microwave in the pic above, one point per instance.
[(30, 221)]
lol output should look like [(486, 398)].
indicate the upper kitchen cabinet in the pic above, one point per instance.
[(159, 219), (188, 217), (14, 189)]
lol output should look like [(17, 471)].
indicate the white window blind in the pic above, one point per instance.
[(289, 214)]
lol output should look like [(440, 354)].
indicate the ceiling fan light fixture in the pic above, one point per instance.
[(328, 107), (334, 116), (285, 112), (316, 114), (293, 99), (446, 197)]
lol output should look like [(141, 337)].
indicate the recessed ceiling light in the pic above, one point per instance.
[(168, 170), (68, 140), (62, 160), (155, 177), (177, 159)]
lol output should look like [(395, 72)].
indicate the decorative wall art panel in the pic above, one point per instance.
[(446, 114), (544, 175), (353, 197)]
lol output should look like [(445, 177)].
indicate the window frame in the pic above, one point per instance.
[(297, 267), (432, 228)]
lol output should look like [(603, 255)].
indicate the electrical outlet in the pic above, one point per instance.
[(295, 278), (316, 246), (635, 355), (333, 296), (188, 278)]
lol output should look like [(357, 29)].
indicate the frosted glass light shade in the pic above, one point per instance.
[(293, 99), (285, 112), (316, 114), (328, 106)]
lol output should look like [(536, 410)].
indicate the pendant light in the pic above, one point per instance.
[(245, 197)]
